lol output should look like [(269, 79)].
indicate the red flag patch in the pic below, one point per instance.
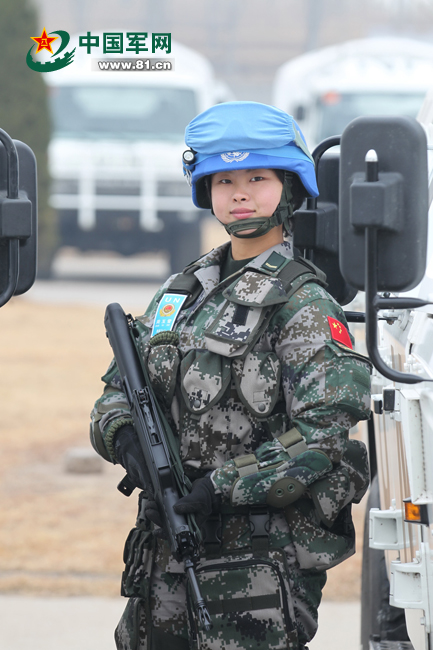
[(339, 332)]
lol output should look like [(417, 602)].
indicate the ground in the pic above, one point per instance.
[(63, 533)]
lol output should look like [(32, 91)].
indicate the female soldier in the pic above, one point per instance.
[(257, 375)]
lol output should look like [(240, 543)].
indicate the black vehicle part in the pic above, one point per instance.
[(395, 204), (18, 217), (316, 226), (183, 243), (372, 453), (383, 217), (380, 621)]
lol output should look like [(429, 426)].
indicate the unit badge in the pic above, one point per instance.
[(166, 314)]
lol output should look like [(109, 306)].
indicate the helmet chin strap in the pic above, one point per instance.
[(263, 225)]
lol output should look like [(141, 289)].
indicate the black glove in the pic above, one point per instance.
[(130, 456), (202, 501)]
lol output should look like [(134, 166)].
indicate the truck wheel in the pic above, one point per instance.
[(184, 245), (378, 618)]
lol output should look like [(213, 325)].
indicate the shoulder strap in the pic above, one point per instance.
[(186, 282), (299, 271)]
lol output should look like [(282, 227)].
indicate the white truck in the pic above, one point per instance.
[(116, 147), (384, 171), (398, 542), (327, 88)]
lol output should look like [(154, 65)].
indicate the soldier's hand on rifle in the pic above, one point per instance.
[(130, 456), (202, 501)]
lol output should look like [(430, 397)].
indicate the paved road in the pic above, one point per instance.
[(100, 279), (133, 296), (87, 624)]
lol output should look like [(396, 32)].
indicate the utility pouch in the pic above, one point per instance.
[(204, 378), (162, 365), (137, 556), (249, 601)]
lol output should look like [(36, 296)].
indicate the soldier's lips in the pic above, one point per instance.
[(242, 214)]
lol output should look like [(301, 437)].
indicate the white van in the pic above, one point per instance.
[(115, 153)]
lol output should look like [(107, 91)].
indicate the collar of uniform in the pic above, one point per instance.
[(258, 286), (216, 256), (285, 249), (208, 272)]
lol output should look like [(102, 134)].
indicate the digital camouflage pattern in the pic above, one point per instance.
[(251, 364), (254, 488), (257, 608)]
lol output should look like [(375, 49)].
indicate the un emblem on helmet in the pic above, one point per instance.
[(234, 156)]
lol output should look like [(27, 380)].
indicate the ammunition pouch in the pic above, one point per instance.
[(243, 594)]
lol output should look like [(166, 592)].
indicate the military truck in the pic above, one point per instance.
[(327, 88), (116, 147)]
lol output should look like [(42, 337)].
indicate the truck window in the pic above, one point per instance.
[(123, 112), (336, 110)]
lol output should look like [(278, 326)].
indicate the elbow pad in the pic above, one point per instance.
[(280, 484)]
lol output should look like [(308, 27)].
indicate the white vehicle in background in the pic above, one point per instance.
[(326, 89), (397, 599), (115, 153), (372, 215)]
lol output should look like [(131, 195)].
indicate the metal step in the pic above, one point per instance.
[(390, 645)]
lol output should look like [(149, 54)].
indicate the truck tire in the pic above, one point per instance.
[(184, 244), (379, 620)]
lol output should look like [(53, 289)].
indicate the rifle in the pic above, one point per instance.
[(159, 468)]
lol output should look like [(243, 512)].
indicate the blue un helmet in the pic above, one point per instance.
[(248, 135)]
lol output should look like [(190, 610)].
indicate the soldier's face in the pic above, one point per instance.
[(244, 194)]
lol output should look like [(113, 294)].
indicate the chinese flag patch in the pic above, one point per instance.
[(339, 332)]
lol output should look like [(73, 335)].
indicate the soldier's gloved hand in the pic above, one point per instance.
[(130, 456), (151, 511), (202, 501)]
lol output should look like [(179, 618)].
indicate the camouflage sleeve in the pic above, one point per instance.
[(326, 385), (111, 410), (326, 388)]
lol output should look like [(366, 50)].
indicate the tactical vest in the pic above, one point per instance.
[(293, 273)]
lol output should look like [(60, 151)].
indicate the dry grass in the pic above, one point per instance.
[(63, 533)]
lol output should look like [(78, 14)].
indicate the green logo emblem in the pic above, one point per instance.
[(44, 43)]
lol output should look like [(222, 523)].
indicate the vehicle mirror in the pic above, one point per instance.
[(384, 218), (394, 205), (18, 217)]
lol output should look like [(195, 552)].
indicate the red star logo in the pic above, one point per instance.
[(44, 41)]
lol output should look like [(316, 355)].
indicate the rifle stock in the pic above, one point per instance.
[(151, 435)]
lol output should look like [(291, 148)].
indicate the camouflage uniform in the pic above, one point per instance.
[(250, 366)]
